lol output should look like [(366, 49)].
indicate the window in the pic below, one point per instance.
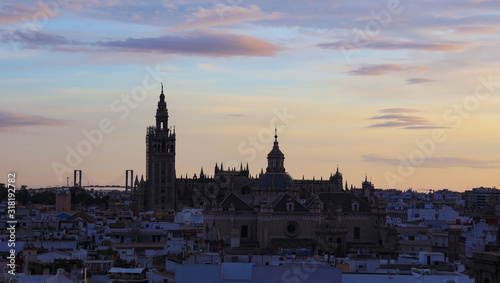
[(292, 229), (357, 233), (244, 231), (355, 206), (245, 190)]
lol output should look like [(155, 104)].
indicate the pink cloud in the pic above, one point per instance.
[(206, 43), (224, 15), (12, 120), (476, 29), (376, 70), (198, 43), (16, 13), (79, 5)]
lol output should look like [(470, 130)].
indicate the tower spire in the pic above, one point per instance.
[(275, 158), (162, 105)]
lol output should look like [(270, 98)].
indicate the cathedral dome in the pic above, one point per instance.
[(276, 152), (279, 181), (276, 177)]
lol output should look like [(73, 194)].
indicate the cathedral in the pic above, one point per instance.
[(271, 211)]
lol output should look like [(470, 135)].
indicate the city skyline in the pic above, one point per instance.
[(403, 91)]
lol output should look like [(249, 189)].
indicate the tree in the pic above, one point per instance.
[(82, 197), (46, 197), (3, 192), (23, 196)]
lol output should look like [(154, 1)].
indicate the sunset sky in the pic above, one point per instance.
[(407, 92)]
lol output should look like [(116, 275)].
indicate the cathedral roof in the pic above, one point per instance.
[(239, 204), (276, 181), (344, 199), (280, 204)]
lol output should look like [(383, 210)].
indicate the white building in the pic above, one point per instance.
[(446, 214)]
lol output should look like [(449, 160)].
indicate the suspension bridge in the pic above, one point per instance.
[(81, 180)]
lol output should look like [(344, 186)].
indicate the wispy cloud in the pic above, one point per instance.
[(36, 39), (82, 4), (197, 43), (396, 45), (476, 29), (208, 43), (12, 120), (399, 110), (377, 70), (418, 81), (233, 115), (15, 13), (436, 162), (398, 118), (210, 67), (224, 15)]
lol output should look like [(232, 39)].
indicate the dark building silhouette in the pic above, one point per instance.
[(160, 162), (270, 211), (162, 190)]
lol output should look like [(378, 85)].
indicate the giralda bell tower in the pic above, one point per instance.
[(160, 161)]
